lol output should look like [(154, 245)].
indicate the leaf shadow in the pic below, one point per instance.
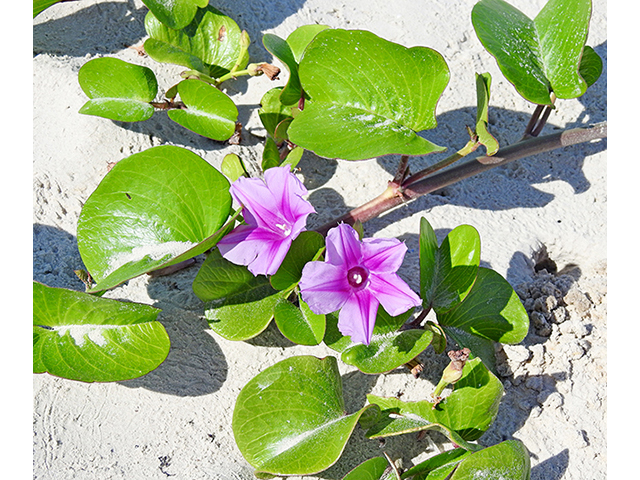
[(55, 257), (552, 468)]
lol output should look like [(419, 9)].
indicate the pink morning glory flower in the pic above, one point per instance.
[(356, 278), (274, 213)]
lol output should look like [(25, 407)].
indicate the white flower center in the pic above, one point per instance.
[(286, 229)]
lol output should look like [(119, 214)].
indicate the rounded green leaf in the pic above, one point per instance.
[(211, 43), (301, 37), (491, 310), (290, 419), (372, 94), (299, 324), (118, 90), (447, 274), (232, 167), (175, 14), (154, 208), (83, 337), (438, 466), (305, 248), (590, 66), (209, 112), (508, 460), (280, 49), (372, 469), (238, 305), (537, 56), (464, 414), (272, 111)]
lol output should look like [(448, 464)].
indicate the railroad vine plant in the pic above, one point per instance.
[(350, 95)]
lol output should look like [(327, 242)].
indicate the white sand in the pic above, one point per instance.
[(176, 421)]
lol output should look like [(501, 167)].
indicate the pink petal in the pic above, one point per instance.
[(383, 255), (271, 257), (358, 316), (393, 293), (287, 190), (324, 287), (343, 246), (259, 249), (260, 207)]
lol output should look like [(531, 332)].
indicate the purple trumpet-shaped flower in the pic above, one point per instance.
[(274, 212), (356, 278)]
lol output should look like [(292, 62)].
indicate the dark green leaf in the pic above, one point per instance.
[(480, 347), (153, 209), (299, 324), (175, 14), (590, 66), (280, 49), (270, 154), (290, 419), (508, 460), (447, 274), (211, 43), (304, 249), (372, 94), (238, 305), (541, 55), (92, 339), (372, 469), (209, 112), (118, 90), (464, 415), (438, 463), (483, 89), (491, 310)]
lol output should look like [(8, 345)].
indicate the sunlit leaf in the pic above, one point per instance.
[(175, 14), (508, 460), (299, 324)]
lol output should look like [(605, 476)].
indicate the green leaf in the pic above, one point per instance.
[(372, 94), (483, 88), (280, 49), (175, 14), (238, 305), (301, 37), (270, 154), (305, 248), (290, 419), (447, 274), (464, 415), (389, 348), (153, 209), (590, 66), (537, 56), (491, 310), (300, 325), (118, 90), (83, 337), (211, 43), (293, 158), (371, 469), (209, 112), (438, 464), (233, 167), (272, 112), (41, 5), (508, 460)]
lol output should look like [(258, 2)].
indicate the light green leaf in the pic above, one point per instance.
[(293, 158), (541, 55), (372, 94), (117, 90), (233, 167), (238, 305), (280, 49), (299, 324), (508, 460), (301, 37), (272, 112), (175, 14), (438, 466), (83, 337), (41, 5), (209, 112), (290, 418), (483, 89), (153, 209), (211, 43), (371, 469)]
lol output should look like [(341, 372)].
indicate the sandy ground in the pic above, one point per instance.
[(176, 421)]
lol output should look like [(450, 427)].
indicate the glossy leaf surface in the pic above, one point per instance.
[(290, 418), (272, 111), (175, 14), (537, 56), (447, 272), (301, 37), (117, 90), (508, 460), (299, 324), (238, 305), (371, 469), (83, 337), (211, 43), (209, 112), (153, 209), (371, 94), (590, 66), (491, 310), (483, 90), (464, 414), (389, 347), (438, 466), (305, 248)]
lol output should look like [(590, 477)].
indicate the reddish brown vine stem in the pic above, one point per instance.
[(412, 189)]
